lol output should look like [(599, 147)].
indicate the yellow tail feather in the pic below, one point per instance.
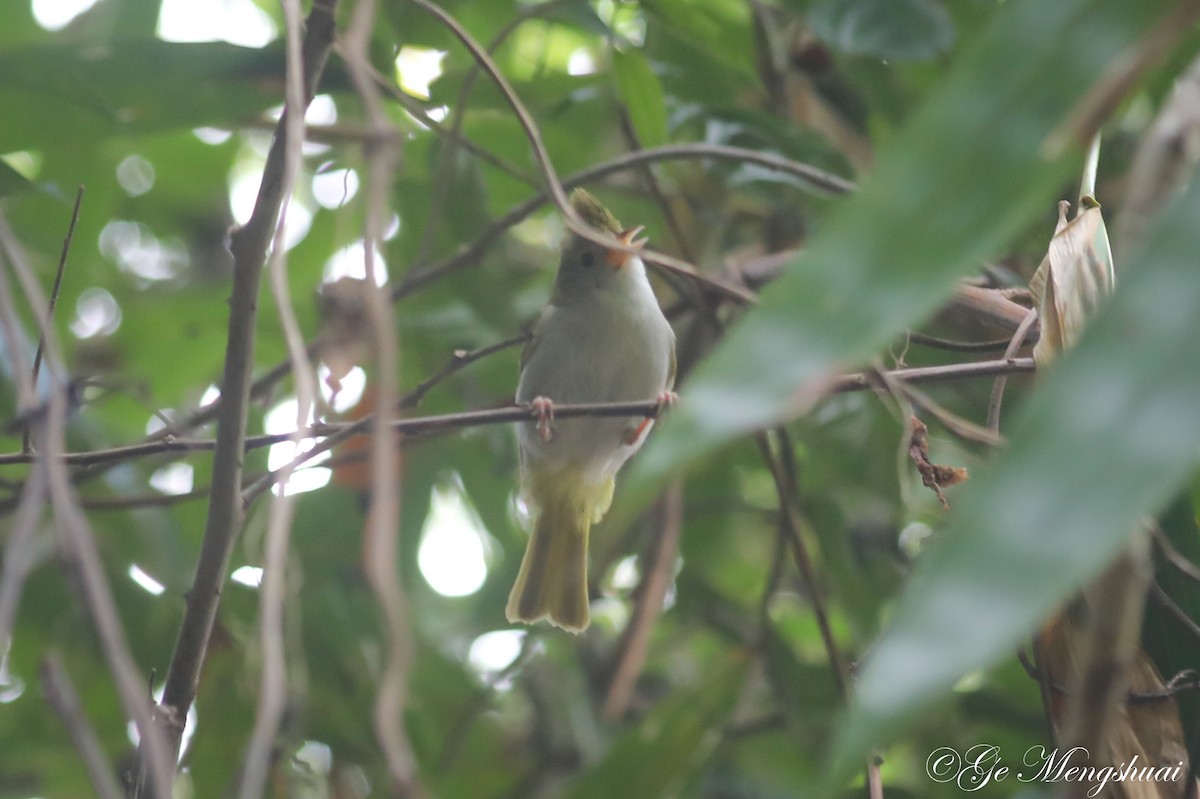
[(552, 582)]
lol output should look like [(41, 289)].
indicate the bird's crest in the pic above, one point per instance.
[(591, 211)]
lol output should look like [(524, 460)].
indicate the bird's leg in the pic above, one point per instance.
[(543, 409), (664, 400)]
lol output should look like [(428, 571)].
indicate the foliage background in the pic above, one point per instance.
[(737, 697)]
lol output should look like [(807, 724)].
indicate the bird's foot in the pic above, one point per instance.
[(543, 410), (665, 399)]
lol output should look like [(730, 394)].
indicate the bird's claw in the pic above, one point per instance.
[(543, 410), (664, 400)]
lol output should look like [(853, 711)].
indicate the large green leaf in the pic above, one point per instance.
[(970, 169), (642, 93), (132, 86), (1109, 437)]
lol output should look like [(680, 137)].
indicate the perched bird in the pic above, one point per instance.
[(602, 338)]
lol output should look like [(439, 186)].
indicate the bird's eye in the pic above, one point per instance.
[(588, 259)]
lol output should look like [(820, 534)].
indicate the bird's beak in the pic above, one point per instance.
[(618, 258)]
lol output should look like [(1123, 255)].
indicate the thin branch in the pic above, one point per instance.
[(554, 186), (14, 346), (540, 154), (1181, 617), (57, 287), (20, 548), (934, 342), (454, 136), (62, 696), (789, 520), (471, 253), (273, 683), (460, 360), (249, 246), (657, 574), (1176, 558), (857, 381), (784, 472), (381, 535), (78, 539), (1018, 340)]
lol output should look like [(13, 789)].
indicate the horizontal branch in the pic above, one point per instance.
[(857, 381)]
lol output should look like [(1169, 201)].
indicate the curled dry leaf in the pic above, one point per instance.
[(933, 475), (1072, 280)]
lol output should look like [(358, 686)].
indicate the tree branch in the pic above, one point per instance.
[(249, 246), (855, 381), (62, 696)]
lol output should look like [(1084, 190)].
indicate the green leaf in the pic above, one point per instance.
[(898, 30), (12, 182), (132, 86), (1108, 439), (658, 755), (968, 172), (642, 93)]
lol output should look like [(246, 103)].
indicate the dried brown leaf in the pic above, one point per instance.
[(934, 476)]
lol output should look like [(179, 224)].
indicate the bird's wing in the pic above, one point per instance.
[(538, 334)]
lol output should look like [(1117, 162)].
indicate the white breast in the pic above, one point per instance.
[(614, 347)]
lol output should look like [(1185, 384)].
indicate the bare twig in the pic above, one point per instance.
[(273, 683), (857, 381), (249, 246), (1176, 558), (554, 186), (14, 346), (58, 276), (78, 540), (1015, 344), (995, 345), (1181, 617), (471, 253), (656, 579), (541, 156), (20, 549), (454, 136), (460, 359), (381, 536), (789, 520), (993, 305), (784, 472), (62, 696)]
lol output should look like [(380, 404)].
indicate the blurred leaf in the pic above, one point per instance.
[(133, 86), (12, 182), (1114, 423), (901, 30), (653, 759), (642, 94), (957, 183)]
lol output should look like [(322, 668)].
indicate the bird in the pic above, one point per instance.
[(601, 338)]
